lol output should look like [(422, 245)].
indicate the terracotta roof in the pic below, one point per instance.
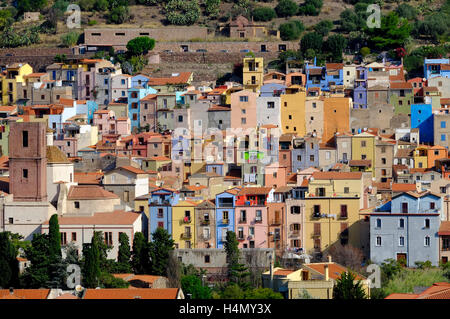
[(283, 272), (400, 85), (159, 158), (439, 290), (444, 229), (92, 178), (305, 182), (334, 66), (133, 169), (7, 108), (182, 78), (55, 155), (115, 218), (89, 192), (364, 163), (283, 189), (138, 293), (149, 97), (218, 108), (34, 75), (399, 187), (254, 191), (334, 270), (66, 102), (337, 175), (150, 279), (24, 294)]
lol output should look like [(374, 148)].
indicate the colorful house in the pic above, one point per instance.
[(184, 232), (135, 95), (160, 204), (293, 112), (13, 76), (422, 118), (363, 151), (225, 218), (436, 67), (253, 73)]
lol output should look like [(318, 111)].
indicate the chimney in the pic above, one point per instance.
[(329, 259), (327, 274)]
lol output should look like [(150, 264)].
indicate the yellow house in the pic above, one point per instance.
[(253, 73), (332, 205), (293, 113), (420, 156), (363, 152), (141, 204), (9, 81), (183, 224)]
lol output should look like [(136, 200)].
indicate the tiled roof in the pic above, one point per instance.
[(89, 192), (24, 294), (138, 293), (114, 218), (444, 229), (403, 187), (283, 272), (364, 163), (159, 158), (218, 108), (254, 191), (133, 169), (149, 97), (55, 155), (7, 108), (182, 78), (131, 277), (334, 270), (92, 178), (400, 85), (439, 290), (337, 175)]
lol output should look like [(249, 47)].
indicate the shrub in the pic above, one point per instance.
[(264, 14), (92, 22), (286, 8), (181, 12), (291, 30), (311, 41), (310, 7), (70, 39), (119, 15), (323, 27), (365, 51), (140, 45), (406, 11)]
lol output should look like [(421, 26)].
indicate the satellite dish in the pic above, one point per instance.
[(78, 288)]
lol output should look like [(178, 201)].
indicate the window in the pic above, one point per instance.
[(443, 124), (311, 158), (207, 259), (346, 190), (401, 223), (160, 212), (363, 143), (11, 220), (25, 138), (427, 241), (270, 105), (383, 161), (63, 239), (443, 137), (432, 205), (108, 238), (74, 236), (243, 98), (427, 223), (378, 223), (378, 243), (405, 208), (314, 105), (251, 231), (25, 173), (299, 158), (401, 241), (295, 209), (77, 205), (344, 211), (243, 120)]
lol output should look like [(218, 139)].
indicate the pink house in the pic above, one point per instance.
[(243, 109), (251, 221), (275, 175), (107, 123)]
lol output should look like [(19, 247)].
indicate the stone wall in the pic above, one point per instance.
[(210, 57)]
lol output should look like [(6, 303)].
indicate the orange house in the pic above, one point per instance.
[(336, 116), (435, 153), (275, 175)]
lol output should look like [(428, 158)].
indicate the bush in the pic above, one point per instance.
[(263, 14), (140, 45), (119, 15), (323, 27), (365, 51), (406, 11), (311, 41), (286, 8), (70, 39), (291, 30), (180, 12), (92, 22), (212, 8), (310, 7)]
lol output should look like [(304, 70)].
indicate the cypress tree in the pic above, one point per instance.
[(91, 269), (37, 275), (124, 255), (347, 288), (139, 252), (54, 237), (160, 249), (237, 272), (9, 268)]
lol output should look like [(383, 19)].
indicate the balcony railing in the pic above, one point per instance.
[(204, 222), (295, 233), (275, 238), (225, 221), (258, 220), (341, 216), (186, 236), (225, 204), (275, 222), (240, 238), (186, 220), (206, 236), (242, 220), (316, 215), (315, 235)]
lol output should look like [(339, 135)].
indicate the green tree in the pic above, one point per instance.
[(323, 27), (291, 30), (54, 237), (365, 51), (124, 255), (392, 34), (140, 258), (311, 41), (30, 5), (263, 14), (347, 288), (160, 248), (180, 12), (91, 268), (335, 45), (37, 275), (286, 8), (191, 284), (310, 7), (237, 272), (9, 267), (140, 45), (212, 8), (6, 19), (406, 11), (119, 15), (232, 291), (262, 293)]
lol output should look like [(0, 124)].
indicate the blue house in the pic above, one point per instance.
[(316, 77), (423, 119), (334, 74), (160, 204), (406, 228), (215, 168), (360, 89), (88, 108), (135, 95), (139, 80), (434, 67), (305, 153), (225, 207)]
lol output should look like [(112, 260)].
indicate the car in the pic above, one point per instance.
[(202, 50), (245, 50), (225, 50)]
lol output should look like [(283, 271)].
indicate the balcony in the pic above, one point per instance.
[(242, 220), (295, 233), (186, 236), (240, 238), (275, 222), (206, 237), (258, 220), (343, 216), (204, 222), (275, 238), (315, 235), (186, 220), (224, 204), (316, 215), (225, 221)]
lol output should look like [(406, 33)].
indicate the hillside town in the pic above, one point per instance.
[(280, 180)]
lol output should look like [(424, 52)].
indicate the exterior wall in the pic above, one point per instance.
[(182, 237), (441, 130), (268, 114), (161, 200), (224, 225), (148, 114), (275, 175), (359, 151), (259, 239), (253, 77), (293, 113), (344, 148), (442, 84), (58, 172), (402, 104), (243, 114), (206, 229), (314, 115), (377, 96), (336, 112), (120, 110), (276, 221), (219, 119), (422, 118), (199, 112), (349, 74), (295, 216), (309, 155), (120, 84), (383, 151), (327, 157)]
